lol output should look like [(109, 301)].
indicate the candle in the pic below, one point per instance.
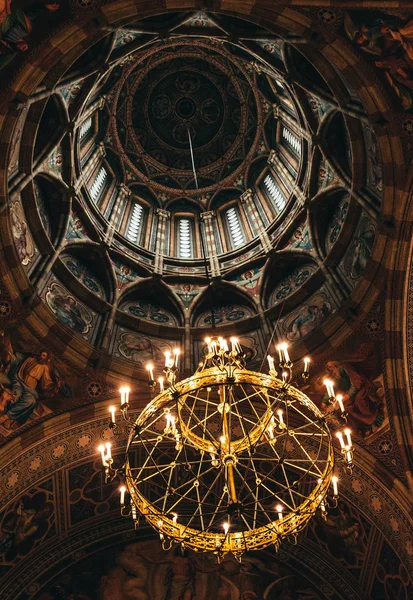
[(167, 359), (271, 363), (339, 435), (208, 342), (222, 439), (283, 352), (339, 399), (334, 481), (124, 395), (234, 345), (279, 510), (329, 387), (122, 495), (175, 517), (347, 433), (108, 451), (112, 410), (306, 364), (161, 386), (280, 417), (177, 352), (102, 453), (322, 505), (349, 457), (284, 376), (149, 368), (214, 347), (134, 513), (226, 528)]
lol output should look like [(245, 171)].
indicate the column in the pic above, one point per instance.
[(210, 247), (95, 159), (284, 174), (247, 198), (116, 214), (163, 216)]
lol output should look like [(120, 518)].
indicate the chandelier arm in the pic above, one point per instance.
[(155, 465), (252, 493)]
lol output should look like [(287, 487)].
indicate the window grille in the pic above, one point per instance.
[(236, 233), (135, 223)]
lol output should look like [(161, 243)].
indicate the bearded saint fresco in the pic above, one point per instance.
[(25, 379), (358, 379)]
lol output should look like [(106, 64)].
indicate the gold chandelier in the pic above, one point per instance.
[(228, 460)]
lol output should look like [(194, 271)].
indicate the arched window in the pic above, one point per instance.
[(292, 140), (273, 191), (236, 233), (98, 185), (134, 230), (185, 238)]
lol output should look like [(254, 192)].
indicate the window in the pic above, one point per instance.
[(292, 140), (236, 233), (85, 128), (98, 185), (185, 246), (273, 191), (134, 230)]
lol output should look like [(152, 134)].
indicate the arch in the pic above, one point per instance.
[(153, 301), (229, 304)]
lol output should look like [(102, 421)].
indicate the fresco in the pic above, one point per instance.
[(83, 273), (326, 175), (71, 92), (387, 41), (290, 284), (373, 161), (149, 312), (16, 25), (249, 280), (336, 223), (224, 315), (142, 349), (124, 274), (43, 207), (318, 106), (70, 311), (24, 379), (76, 229), (301, 237), (56, 161), (359, 250), (124, 37), (357, 376), (23, 239), (187, 292), (27, 523), (308, 317)]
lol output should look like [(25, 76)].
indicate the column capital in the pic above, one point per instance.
[(272, 157), (276, 110), (207, 215), (123, 189), (101, 101), (101, 148), (247, 195), (163, 214)]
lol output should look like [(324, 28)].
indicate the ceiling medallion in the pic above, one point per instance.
[(228, 460)]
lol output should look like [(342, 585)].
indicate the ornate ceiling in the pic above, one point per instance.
[(263, 91)]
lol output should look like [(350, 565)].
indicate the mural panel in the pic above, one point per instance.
[(124, 274), (291, 283), (141, 349), (84, 274), (373, 161), (250, 280), (311, 314), (300, 238), (358, 253), (42, 205), (70, 311), (187, 292), (76, 230), (224, 315), (386, 40), (149, 312), (26, 379), (357, 375), (23, 240), (336, 223)]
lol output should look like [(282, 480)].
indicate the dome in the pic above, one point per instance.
[(290, 220)]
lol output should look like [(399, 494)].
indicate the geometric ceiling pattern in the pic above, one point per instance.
[(308, 96)]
